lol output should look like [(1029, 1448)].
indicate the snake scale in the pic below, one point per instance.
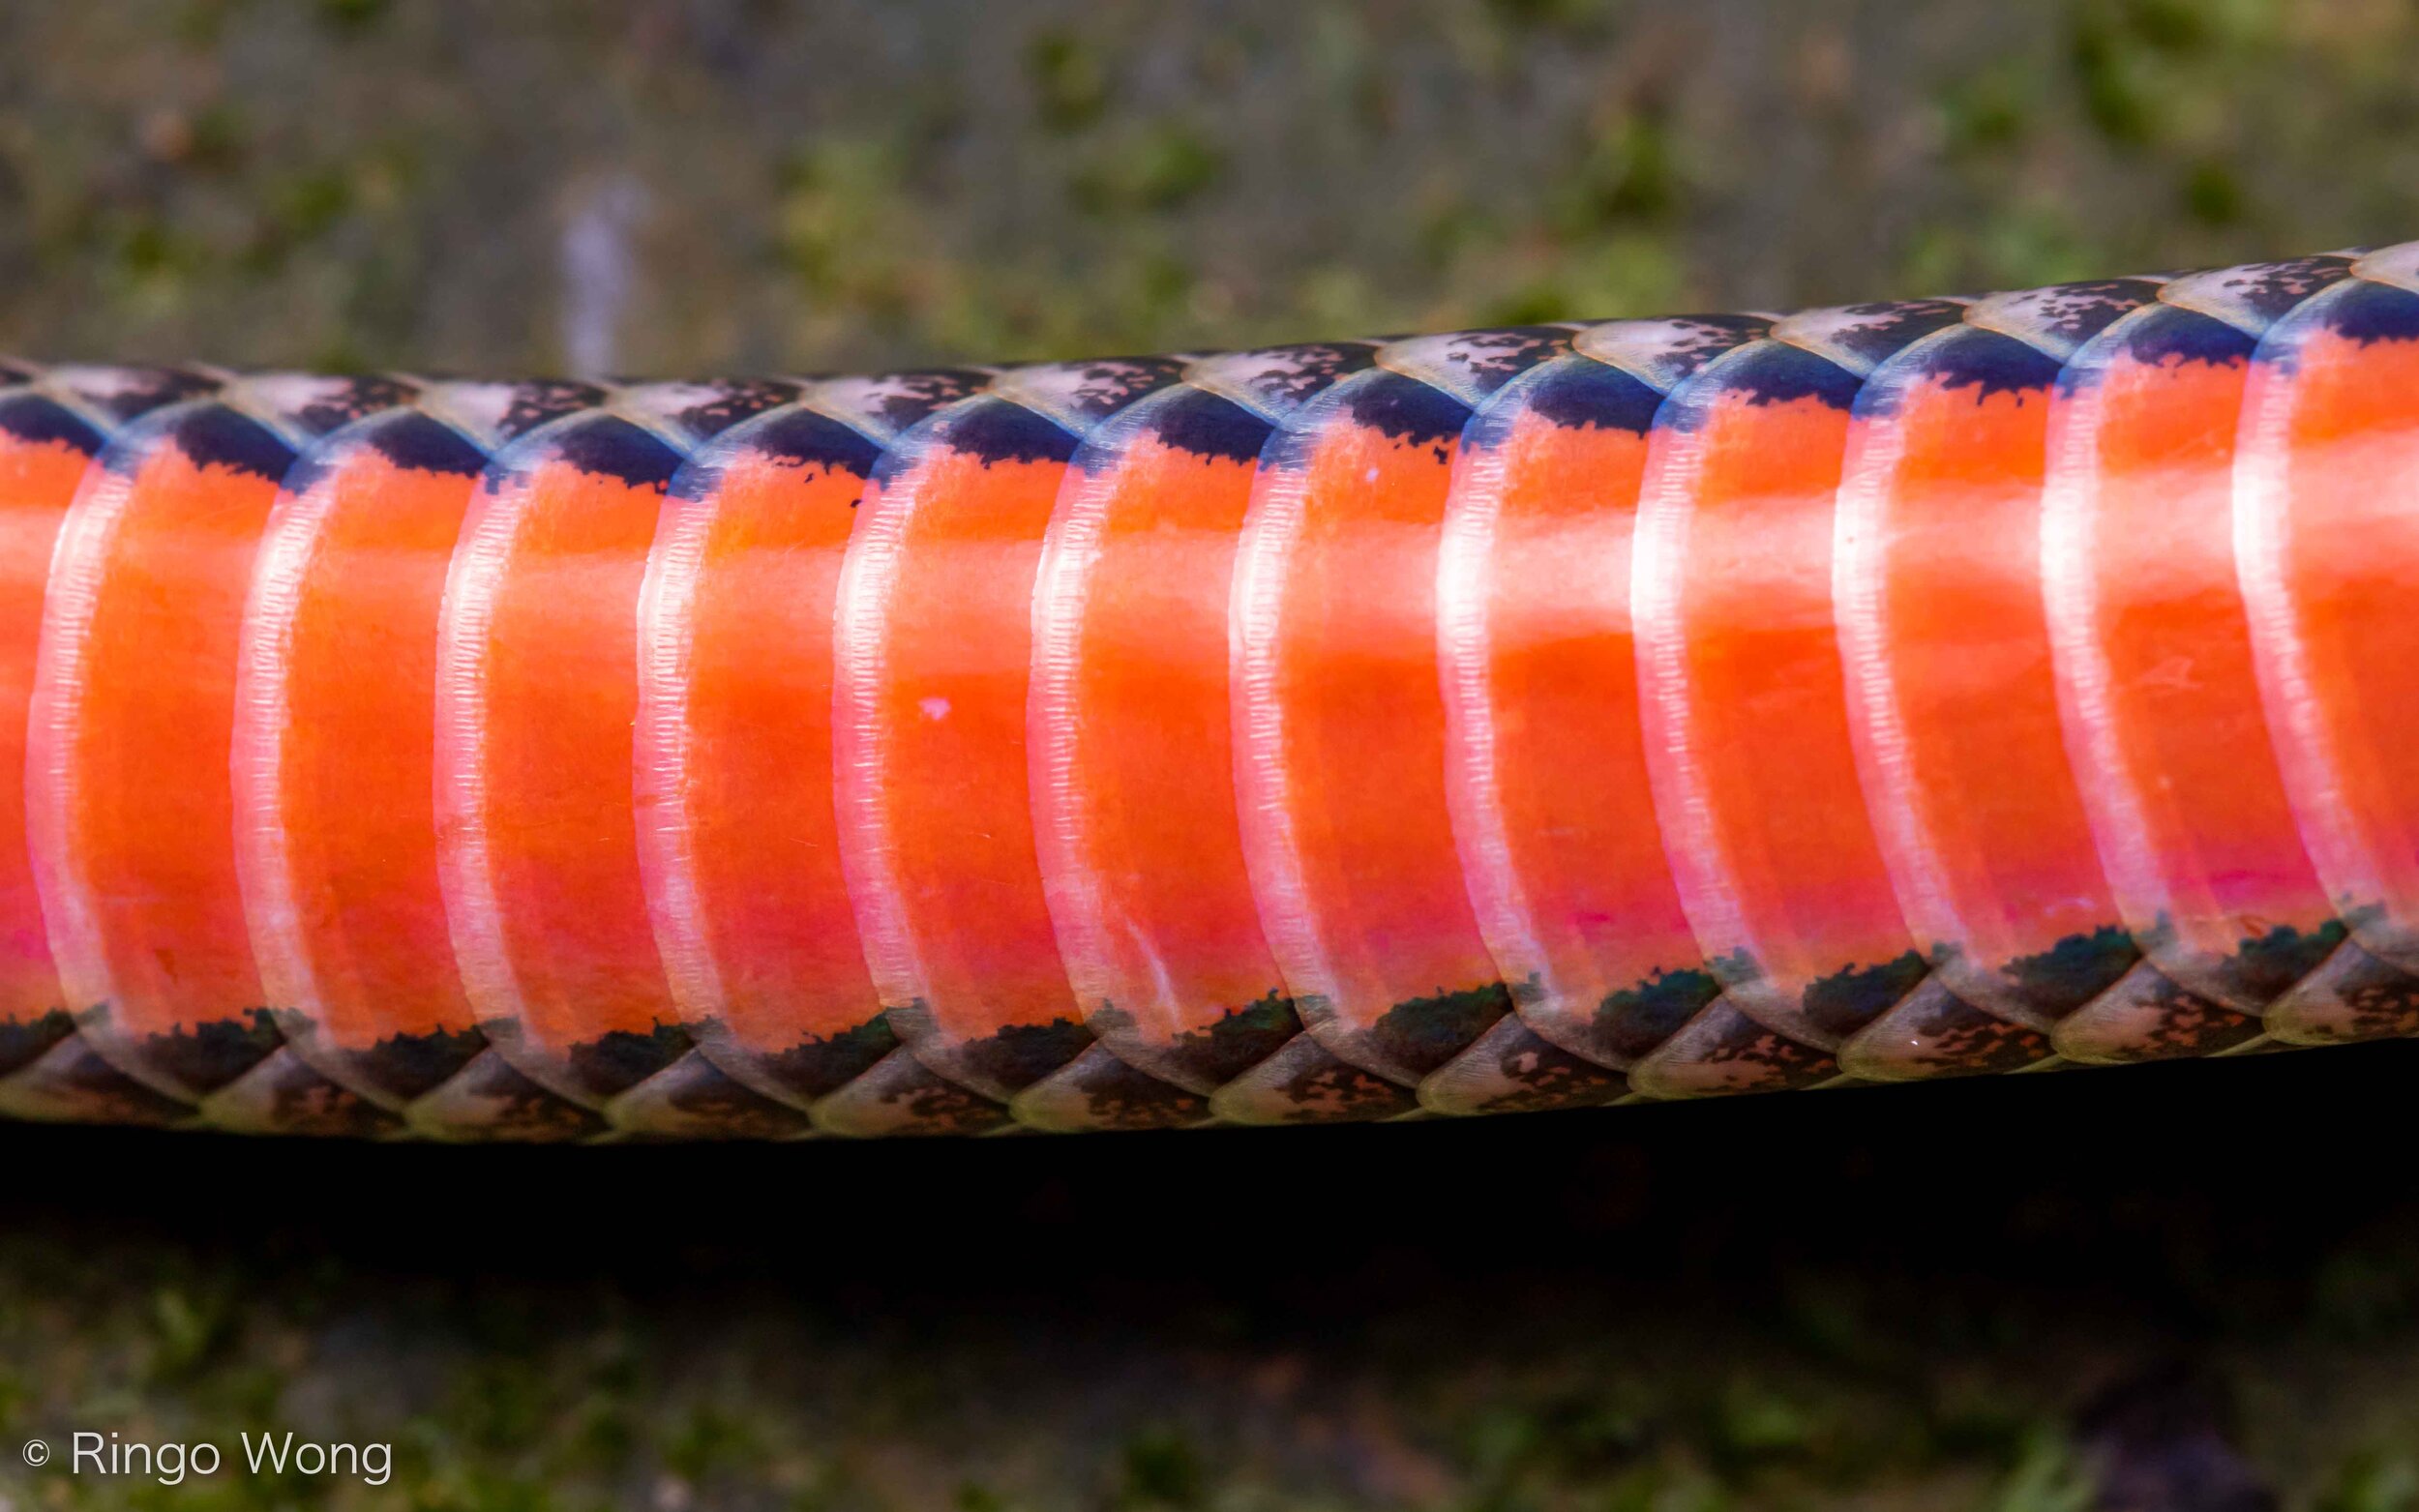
[(1544, 717)]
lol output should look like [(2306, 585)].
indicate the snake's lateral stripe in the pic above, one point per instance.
[(1528, 717)]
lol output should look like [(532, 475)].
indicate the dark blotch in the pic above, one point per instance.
[(612, 448), (36, 421), (411, 1066), (1983, 362), (2162, 335), (1021, 1055), (418, 444), (23, 1041), (1423, 1033), (2267, 964), (1637, 1020), (1847, 1000), (614, 1062), (805, 438), (2075, 969), (1405, 409), (211, 435), (1770, 372), (998, 430), (213, 1055), (815, 1068), (1209, 426), (1239, 1039), (792, 437), (1575, 394), (2372, 312)]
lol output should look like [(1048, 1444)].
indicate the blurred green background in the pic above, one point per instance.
[(1895, 1301), (695, 185)]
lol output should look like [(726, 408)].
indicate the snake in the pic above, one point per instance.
[(1545, 717)]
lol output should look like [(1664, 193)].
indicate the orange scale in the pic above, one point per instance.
[(933, 631), (1746, 706), (333, 769), (1546, 767), (2328, 547), (130, 810), (537, 694), (45, 452), (1340, 725), (2157, 682), (1133, 774), (737, 840), (1953, 700)]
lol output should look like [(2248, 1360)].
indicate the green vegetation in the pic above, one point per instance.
[(817, 187)]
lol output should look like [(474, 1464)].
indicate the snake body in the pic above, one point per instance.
[(1532, 718)]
